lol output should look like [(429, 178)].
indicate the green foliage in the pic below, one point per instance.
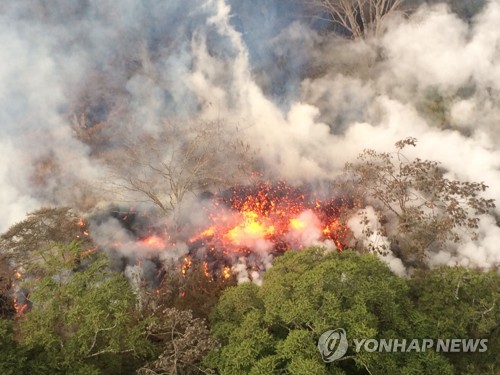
[(194, 289), (275, 328), (306, 293), (11, 358), (30, 242), (459, 303), (84, 322)]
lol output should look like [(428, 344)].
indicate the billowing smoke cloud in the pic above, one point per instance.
[(305, 100)]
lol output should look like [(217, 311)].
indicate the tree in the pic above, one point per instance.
[(6, 305), (32, 239), (83, 322), (359, 18), (194, 288), (275, 328), (163, 168), (459, 303), (428, 209), (183, 339)]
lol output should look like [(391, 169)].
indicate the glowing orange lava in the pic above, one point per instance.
[(153, 242), (277, 213)]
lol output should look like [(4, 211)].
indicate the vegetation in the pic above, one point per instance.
[(357, 18), (86, 319), (274, 328), (163, 169), (429, 208)]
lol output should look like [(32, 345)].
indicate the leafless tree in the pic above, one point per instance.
[(360, 18), (163, 168), (185, 339)]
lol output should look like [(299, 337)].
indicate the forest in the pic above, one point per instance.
[(236, 187)]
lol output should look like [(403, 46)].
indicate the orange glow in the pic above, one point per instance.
[(226, 272), (205, 269), (276, 213), (250, 229), (20, 308), (297, 224), (89, 251), (186, 265), (153, 242)]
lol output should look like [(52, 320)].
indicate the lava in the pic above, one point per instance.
[(277, 215), (153, 242)]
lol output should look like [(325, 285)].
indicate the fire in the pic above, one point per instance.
[(251, 228), (226, 272), (205, 270), (153, 242), (89, 251), (19, 307), (244, 225), (297, 224), (276, 213), (186, 265)]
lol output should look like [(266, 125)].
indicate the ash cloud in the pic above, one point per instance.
[(305, 100)]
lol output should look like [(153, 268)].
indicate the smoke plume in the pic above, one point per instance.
[(79, 78)]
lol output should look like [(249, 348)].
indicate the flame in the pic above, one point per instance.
[(186, 265), (153, 242), (20, 308), (277, 213), (226, 272), (88, 251), (205, 270), (250, 229), (336, 230), (297, 224)]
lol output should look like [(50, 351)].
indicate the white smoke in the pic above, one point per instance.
[(369, 232), (134, 63)]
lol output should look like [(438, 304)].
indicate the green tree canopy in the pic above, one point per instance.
[(82, 322), (459, 303), (274, 328)]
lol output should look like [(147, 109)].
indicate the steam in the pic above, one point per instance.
[(131, 64)]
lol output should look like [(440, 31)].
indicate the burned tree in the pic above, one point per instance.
[(165, 167), (357, 18)]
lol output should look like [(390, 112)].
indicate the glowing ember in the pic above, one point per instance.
[(88, 251), (251, 228), (205, 270), (272, 216), (186, 265), (226, 272), (20, 307), (153, 242)]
